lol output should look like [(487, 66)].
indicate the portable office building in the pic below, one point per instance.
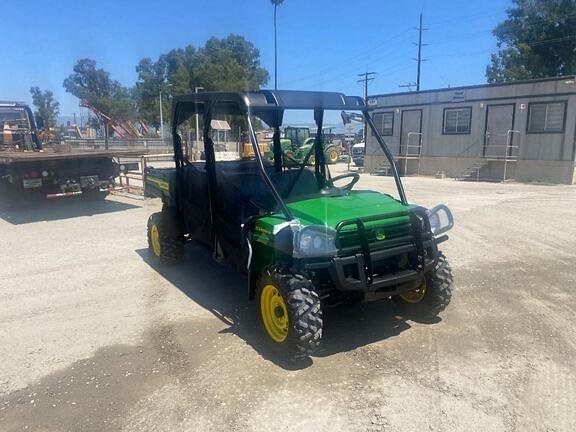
[(524, 130)]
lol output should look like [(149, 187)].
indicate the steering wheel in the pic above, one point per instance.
[(349, 186)]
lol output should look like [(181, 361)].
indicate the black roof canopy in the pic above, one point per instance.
[(265, 104)]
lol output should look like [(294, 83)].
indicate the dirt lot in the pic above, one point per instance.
[(95, 338)]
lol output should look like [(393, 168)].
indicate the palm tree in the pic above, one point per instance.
[(276, 3)]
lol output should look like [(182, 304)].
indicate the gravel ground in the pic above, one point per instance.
[(93, 337)]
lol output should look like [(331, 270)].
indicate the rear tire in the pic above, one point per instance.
[(331, 155), (436, 295), (290, 312), (162, 244)]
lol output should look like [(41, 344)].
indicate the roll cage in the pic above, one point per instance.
[(269, 106)]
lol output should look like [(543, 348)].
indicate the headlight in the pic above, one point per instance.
[(315, 241), (441, 219)]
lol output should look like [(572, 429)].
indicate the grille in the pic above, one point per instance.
[(381, 235)]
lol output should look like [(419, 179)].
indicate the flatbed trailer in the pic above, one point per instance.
[(55, 174), (28, 169)]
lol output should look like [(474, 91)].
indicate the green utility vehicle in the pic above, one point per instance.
[(298, 141), (305, 240)]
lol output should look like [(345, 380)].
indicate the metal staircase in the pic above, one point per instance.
[(472, 173), (382, 170)]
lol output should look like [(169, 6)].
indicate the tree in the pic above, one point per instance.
[(537, 40), (93, 85), (231, 64), (169, 75), (47, 109)]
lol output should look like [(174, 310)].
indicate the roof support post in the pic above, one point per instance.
[(211, 174), (388, 154), (277, 148), (319, 163), (263, 174)]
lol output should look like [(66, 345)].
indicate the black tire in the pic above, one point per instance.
[(439, 287), (327, 152), (171, 247), (304, 310)]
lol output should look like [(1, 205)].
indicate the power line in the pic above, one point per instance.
[(408, 85), (347, 62), (344, 66)]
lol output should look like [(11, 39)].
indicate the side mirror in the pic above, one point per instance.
[(441, 219)]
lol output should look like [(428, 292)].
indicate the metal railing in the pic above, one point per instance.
[(503, 151), (138, 175), (509, 149), (413, 150), (506, 153), (150, 145)]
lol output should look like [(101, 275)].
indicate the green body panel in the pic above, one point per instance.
[(329, 211), (157, 187), (325, 211)]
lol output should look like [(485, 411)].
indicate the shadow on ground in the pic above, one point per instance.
[(25, 212), (96, 393), (224, 293)]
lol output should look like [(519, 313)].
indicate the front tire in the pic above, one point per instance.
[(433, 295), (163, 245), (290, 312)]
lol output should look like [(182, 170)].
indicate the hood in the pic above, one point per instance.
[(331, 210)]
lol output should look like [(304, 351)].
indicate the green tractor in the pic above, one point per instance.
[(298, 141), (304, 239)]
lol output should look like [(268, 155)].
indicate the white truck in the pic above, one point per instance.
[(358, 154)]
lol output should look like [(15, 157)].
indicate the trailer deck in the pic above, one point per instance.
[(11, 157)]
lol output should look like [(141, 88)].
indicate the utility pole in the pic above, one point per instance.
[(419, 59), (365, 78)]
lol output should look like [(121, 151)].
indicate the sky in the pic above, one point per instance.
[(323, 45)]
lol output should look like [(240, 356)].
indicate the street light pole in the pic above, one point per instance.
[(161, 118), (197, 131), (276, 3)]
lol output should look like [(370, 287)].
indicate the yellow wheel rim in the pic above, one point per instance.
[(334, 156), (415, 296), (155, 236), (274, 313)]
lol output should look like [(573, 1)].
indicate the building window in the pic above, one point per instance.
[(457, 120), (546, 117), (384, 122)]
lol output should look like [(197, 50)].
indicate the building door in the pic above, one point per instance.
[(411, 133), (499, 131)]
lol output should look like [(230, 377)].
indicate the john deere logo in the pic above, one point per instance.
[(380, 235)]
